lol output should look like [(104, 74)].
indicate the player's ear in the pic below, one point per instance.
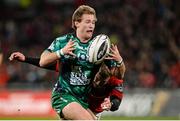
[(76, 23)]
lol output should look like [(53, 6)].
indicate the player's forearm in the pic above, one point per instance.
[(47, 58), (35, 62)]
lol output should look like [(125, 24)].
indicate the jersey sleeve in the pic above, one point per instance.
[(55, 45), (59, 43), (117, 91)]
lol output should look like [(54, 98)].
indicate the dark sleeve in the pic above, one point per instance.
[(115, 103), (35, 62)]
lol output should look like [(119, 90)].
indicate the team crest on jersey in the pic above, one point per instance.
[(82, 57)]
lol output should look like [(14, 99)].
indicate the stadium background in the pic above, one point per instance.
[(147, 33)]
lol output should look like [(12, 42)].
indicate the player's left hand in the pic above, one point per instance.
[(114, 54), (106, 105)]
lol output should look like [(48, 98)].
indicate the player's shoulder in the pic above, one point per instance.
[(65, 37)]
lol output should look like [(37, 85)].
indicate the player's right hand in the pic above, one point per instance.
[(17, 56), (68, 49)]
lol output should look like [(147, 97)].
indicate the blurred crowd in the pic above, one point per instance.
[(147, 33)]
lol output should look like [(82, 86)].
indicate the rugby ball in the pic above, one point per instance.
[(99, 48)]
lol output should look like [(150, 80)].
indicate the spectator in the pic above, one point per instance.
[(142, 26)]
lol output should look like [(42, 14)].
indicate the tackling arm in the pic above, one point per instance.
[(35, 61)]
